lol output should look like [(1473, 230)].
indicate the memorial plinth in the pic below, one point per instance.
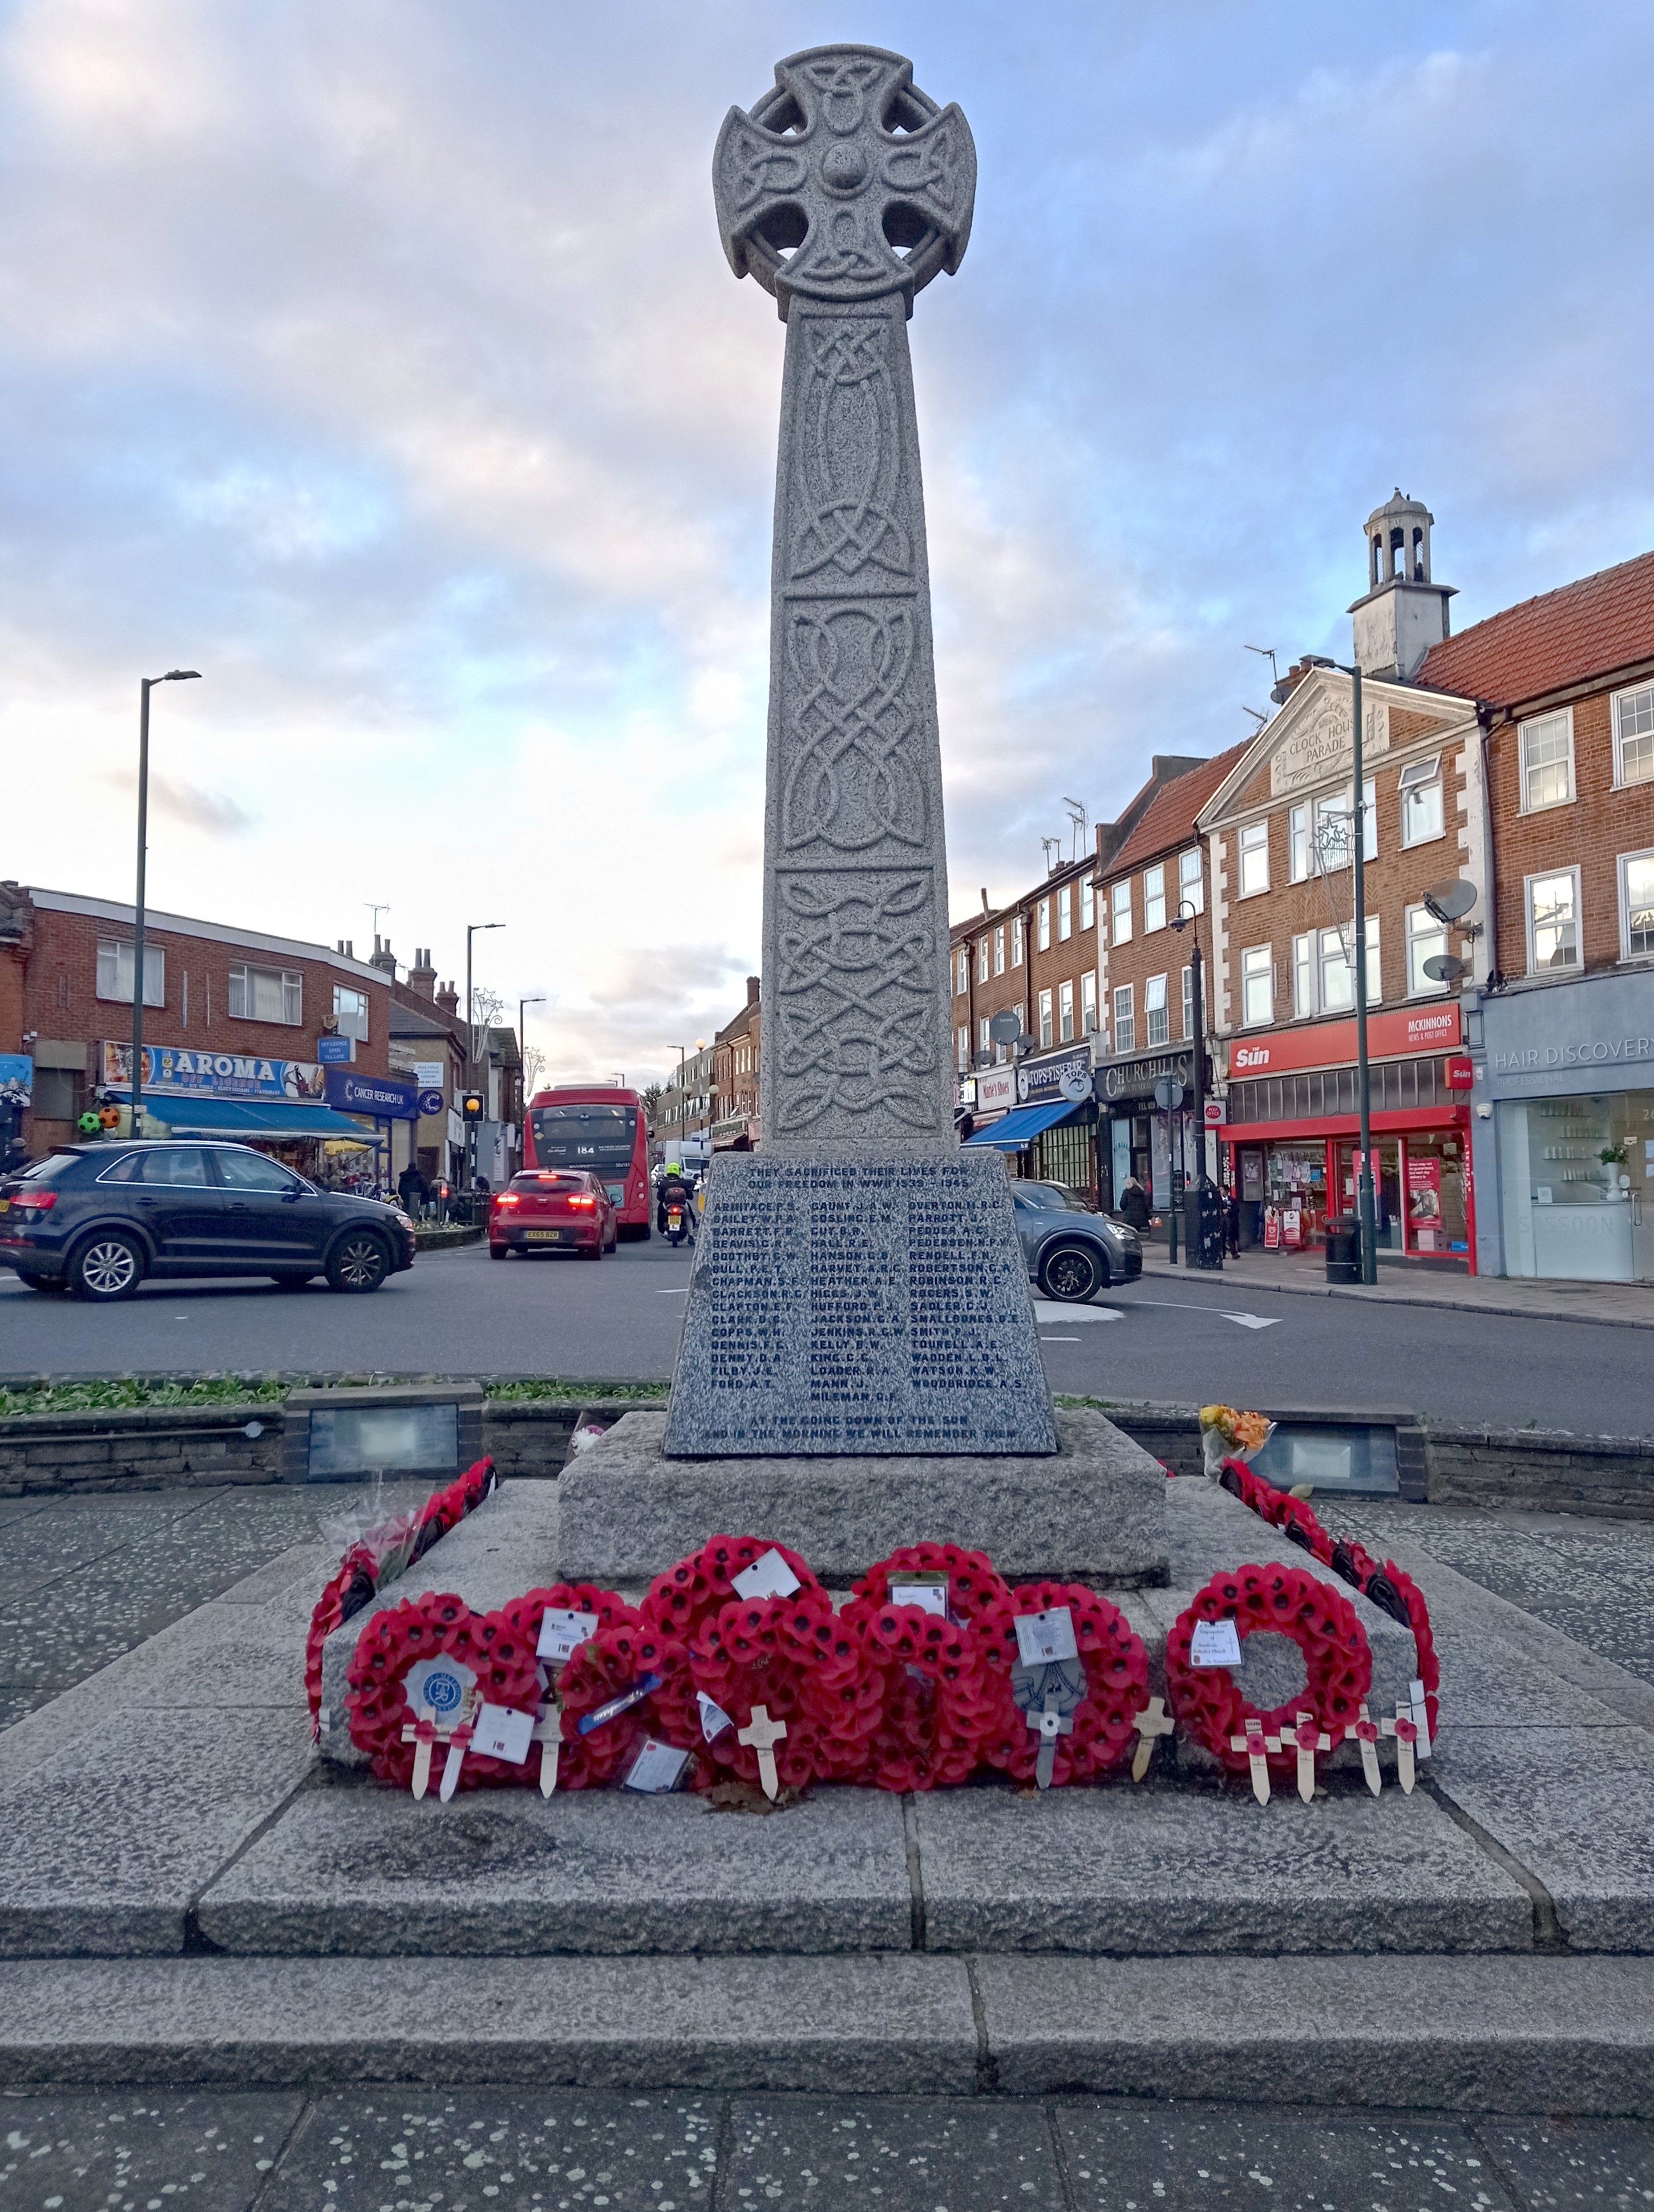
[(1094, 1510)]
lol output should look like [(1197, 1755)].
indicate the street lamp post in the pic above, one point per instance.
[(682, 1116), (145, 686), (472, 928), (1198, 1248), (538, 1000)]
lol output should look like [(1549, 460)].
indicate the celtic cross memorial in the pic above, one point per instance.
[(858, 1286)]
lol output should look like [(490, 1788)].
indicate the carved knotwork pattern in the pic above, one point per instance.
[(852, 782), (849, 456), (856, 997)]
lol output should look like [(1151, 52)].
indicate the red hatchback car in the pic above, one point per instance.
[(550, 1210)]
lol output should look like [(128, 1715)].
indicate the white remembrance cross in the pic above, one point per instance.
[(547, 1734), (1050, 1725), (1309, 1740), (1405, 1730), (764, 1734), (1365, 1729), (1255, 1744), (1154, 1720)]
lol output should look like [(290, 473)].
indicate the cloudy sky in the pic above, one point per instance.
[(378, 358)]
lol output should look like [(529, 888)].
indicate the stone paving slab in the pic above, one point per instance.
[(1565, 2165), (110, 1838), (1126, 1870), (901, 2155), (1577, 1808), (209, 2151), (368, 1871), (853, 2025), (1198, 2157), (1491, 2033)]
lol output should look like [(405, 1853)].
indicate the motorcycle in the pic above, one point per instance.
[(676, 1227)]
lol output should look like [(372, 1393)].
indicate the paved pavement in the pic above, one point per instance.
[(1623, 1305), (477, 2150), (1177, 1338)]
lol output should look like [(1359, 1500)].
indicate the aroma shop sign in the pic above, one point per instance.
[(221, 1074)]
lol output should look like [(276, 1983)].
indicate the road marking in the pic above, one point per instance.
[(1046, 1310), (1059, 1340), (1187, 1305), (682, 1291)]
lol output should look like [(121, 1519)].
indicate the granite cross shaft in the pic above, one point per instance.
[(858, 1287)]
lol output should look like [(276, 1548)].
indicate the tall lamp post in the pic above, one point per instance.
[(1366, 1211), (1201, 1249), (472, 928), (146, 685), (539, 1000)]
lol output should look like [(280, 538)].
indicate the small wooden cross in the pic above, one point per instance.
[(1309, 1740), (1255, 1744), (547, 1734), (1405, 1730), (764, 1734), (424, 1734), (1415, 1689), (1051, 1723), (1154, 1720), (1365, 1729)]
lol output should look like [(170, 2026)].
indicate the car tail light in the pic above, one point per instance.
[(507, 1197), (584, 1205), (41, 1200)]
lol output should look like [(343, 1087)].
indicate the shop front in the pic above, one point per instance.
[(1049, 1133), (1294, 1145), (1564, 1129), (277, 1106), (1141, 1137)]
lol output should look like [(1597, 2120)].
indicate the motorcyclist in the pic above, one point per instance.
[(675, 1191)]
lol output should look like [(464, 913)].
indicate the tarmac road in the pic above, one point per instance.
[(459, 1313)]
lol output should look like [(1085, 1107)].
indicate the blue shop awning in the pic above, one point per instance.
[(247, 1118), (1022, 1125)]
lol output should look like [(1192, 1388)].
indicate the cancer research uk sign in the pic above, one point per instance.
[(387, 1098), (216, 1074)]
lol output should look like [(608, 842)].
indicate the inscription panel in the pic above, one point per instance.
[(859, 1307)]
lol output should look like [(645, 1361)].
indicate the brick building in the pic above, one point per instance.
[(738, 1115), (235, 1023)]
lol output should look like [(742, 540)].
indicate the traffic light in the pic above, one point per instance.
[(470, 1107)]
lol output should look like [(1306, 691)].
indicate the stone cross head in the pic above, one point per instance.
[(846, 182)]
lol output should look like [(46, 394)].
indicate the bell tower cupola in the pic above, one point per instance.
[(1403, 613)]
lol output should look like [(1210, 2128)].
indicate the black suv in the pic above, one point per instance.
[(97, 1219)]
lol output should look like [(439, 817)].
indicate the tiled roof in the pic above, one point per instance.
[(1603, 622), (1170, 820)]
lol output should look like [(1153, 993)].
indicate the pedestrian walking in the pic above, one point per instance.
[(1133, 1206), (1231, 1224), (413, 1190)]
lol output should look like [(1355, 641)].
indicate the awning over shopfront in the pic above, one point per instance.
[(1017, 1130), (249, 1119)]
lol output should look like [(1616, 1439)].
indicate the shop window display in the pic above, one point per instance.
[(1577, 1187)]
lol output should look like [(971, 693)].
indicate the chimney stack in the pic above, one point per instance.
[(422, 976), (751, 990), (448, 998), (383, 958)]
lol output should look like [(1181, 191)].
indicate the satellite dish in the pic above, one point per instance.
[(981, 1060), (1451, 900), (1006, 1026), (1445, 967), (1026, 1039)]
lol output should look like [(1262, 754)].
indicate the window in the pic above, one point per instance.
[(1304, 997), (1088, 1003), (1119, 913), (1633, 737), (1257, 987), (1154, 898), (1427, 938), (1065, 1013), (984, 1042), (116, 971), (1374, 966), (1298, 843), (1422, 801), (266, 995), (252, 1171), (178, 1166), (1157, 1025), (1636, 909), (962, 1049), (1191, 880), (962, 971), (1552, 921), (1322, 981), (1042, 913), (981, 959), (998, 950), (1065, 912), (1125, 1019), (1016, 942), (1045, 1017), (1337, 980), (1188, 1002), (1087, 903), (1547, 760), (1254, 859), (350, 1013)]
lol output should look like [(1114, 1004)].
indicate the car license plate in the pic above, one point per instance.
[(5, 1205), (543, 1235)]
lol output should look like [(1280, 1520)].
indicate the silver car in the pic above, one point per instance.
[(1073, 1252)]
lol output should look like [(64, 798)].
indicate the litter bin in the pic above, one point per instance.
[(1344, 1249)]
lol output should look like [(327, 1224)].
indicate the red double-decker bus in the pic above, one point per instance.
[(603, 1129)]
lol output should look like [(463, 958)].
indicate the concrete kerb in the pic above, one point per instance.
[(1380, 1294)]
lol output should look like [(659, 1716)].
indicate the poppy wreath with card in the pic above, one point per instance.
[(436, 1624), (1389, 1587), (689, 1594), (793, 1656), (612, 1664), (935, 1704), (973, 1580), (1289, 1602), (1115, 1666)]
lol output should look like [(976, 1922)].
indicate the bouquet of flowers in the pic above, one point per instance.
[(1227, 1434)]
